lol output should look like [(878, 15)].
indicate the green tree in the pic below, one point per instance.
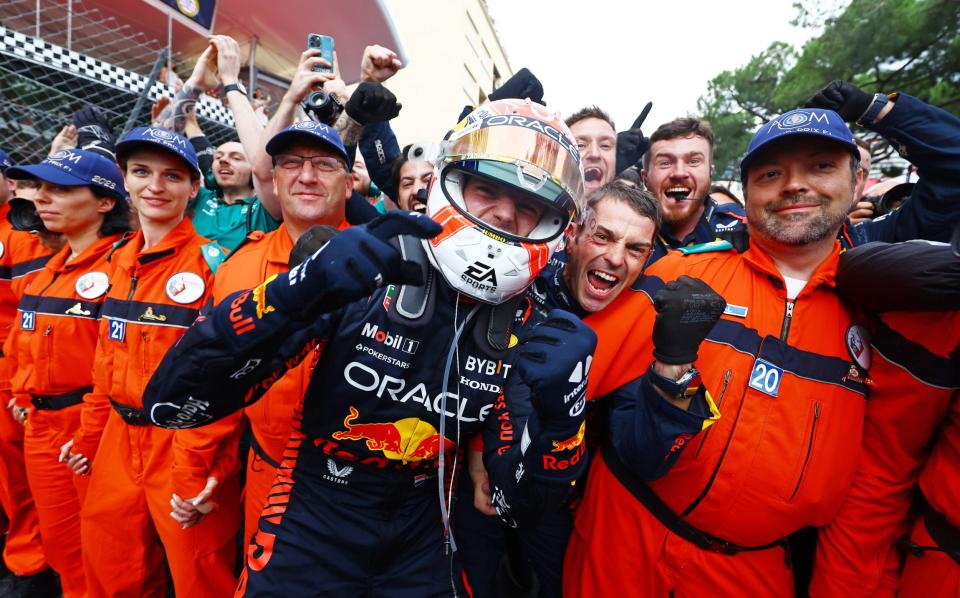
[(880, 45)]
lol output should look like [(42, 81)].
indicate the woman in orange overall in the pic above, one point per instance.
[(153, 492), (52, 342)]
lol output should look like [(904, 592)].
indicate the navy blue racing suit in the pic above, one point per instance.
[(355, 508), (929, 137), (491, 551)]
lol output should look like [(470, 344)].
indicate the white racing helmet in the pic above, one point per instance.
[(520, 145)]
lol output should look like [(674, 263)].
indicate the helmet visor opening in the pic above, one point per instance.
[(508, 198)]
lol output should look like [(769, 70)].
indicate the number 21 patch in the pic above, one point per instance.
[(118, 330), (765, 377), (28, 320)]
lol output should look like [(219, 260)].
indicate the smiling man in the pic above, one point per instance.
[(312, 182), (605, 253), (677, 170), (409, 176), (734, 422)]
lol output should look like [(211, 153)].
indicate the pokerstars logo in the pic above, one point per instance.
[(407, 345)]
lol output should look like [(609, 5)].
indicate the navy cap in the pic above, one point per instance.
[(308, 130), (812, 122), (5, 162), (72, 168), (156, 137)]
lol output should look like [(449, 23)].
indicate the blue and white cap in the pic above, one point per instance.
[(74, 168), (158, 138), (813, 122), (5, 162), (308, 130)]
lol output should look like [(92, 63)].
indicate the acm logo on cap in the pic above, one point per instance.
[(309, 125), (799, 118), (166, 137), (63, 159)]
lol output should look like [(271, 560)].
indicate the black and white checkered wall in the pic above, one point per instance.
[(35, 50)]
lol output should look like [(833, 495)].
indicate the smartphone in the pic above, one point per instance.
[(324, 43)]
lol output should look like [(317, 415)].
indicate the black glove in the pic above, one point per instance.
[(523, 84), (844, 98), (738, 236), (372, 103), (631, 144), (687, 309), (204, 149), (94, 132), (352, 266), (309, 242), (553, 360)]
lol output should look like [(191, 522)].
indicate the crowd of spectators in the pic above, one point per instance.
[(539, 356)]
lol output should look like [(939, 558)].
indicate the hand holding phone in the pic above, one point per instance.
[(324, 43)]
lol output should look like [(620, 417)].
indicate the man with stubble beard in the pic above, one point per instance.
[(677, 170)]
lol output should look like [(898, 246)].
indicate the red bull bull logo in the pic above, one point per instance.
[(408, 440), (572, 442)]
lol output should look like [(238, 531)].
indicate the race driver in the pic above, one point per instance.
[(738, 422), (355, 505)]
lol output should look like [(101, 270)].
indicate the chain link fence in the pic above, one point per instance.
[(57, 57)]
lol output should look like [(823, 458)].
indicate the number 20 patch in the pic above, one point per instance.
[(765, 377)]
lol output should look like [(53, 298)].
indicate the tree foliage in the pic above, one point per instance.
[(880, 45)]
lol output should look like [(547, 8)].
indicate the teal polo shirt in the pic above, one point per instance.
[(229, 224)]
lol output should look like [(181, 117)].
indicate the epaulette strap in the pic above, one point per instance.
[(213, 254), (719, 245), (120, 243), (253, 237)]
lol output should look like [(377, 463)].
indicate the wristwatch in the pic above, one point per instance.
[(682, 388), (879, 101), (234, 87)]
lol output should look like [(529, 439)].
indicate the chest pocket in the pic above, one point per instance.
[(806, 415)]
